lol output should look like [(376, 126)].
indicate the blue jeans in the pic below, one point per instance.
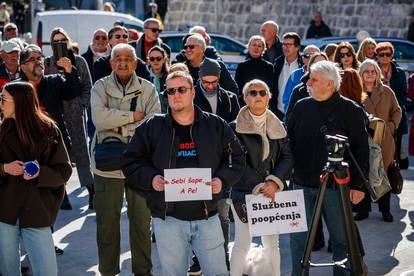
[(332, 214), (175, 239), (38, 243)]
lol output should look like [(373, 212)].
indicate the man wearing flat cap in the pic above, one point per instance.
[(9, 68)]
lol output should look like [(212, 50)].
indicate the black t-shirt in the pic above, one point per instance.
[(187, 157)]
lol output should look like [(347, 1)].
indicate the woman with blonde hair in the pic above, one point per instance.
[(367, 49)]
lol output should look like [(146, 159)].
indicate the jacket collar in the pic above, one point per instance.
[(245, 124), (118, 91), (197, 118)]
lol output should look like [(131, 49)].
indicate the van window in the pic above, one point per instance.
[(226, 46)]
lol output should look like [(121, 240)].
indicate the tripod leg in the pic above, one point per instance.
[(314, 226), (355, 259)]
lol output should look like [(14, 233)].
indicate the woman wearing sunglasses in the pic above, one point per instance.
[(255, 67), (269, 164), (158, 66), (74, 110), (346, 57), (34, 166)]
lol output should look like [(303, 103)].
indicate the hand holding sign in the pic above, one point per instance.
[(215, 184), (158, 183), (269, 189)]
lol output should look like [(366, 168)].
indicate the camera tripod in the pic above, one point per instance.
[(339, 172)]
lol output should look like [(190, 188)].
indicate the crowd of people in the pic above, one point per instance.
[(261, 132)]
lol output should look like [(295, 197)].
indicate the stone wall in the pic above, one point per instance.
[(242, 18)]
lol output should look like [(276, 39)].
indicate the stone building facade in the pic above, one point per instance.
[(242, 18)]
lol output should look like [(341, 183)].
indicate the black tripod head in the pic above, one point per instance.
[(336, 145)]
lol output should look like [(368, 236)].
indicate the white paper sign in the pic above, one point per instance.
[(187, 184), (286, 215)]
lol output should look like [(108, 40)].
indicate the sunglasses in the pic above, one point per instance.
[(254, 93), (154, 30), (118, 36), (100, 37), (189, 46), (181, 90), (10, 29), (307, 56), (155, 58), (386, 54), (347, 54), (4, 99)]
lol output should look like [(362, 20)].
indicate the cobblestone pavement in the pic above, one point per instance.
[(389, 246)]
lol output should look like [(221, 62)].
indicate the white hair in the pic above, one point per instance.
[(253, 82), (199, 39), (197, 29), (329, 70), (273, 23), (364, 66), (361, 35), (257, 37), (123, 46), (313, 47)]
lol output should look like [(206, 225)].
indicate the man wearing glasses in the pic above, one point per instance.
[(10, 31), (97, 49), (149, 39), (283, 67), (161, 143), (102, 67)]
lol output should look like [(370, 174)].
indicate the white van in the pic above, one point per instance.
[(80, 25)]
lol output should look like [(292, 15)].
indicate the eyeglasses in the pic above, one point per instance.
[(10, 29), (288, 45), (384, 54), (33, 59), (204, 82), (181, 90), (254, 93), (100, 37), (118, 36), (307, 56), (347, 54), (189, 46), (154, 30), (155, 58), (4, 99)]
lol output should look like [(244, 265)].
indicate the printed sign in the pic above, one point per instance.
[(187, 184), (286, 215)]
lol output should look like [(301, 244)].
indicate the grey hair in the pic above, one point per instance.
[(151, 20), (255, 82), (123, 46), (329, 70), (100, 30), (273, 23), (257, 37), (313, 47), (364, 66), (200, 40), (196, 29)]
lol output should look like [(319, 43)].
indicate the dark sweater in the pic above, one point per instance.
[(336, 115), (253, 68)]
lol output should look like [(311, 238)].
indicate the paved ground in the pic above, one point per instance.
[(389, 246)]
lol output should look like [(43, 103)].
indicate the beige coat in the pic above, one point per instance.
[(383, 104), (110, 107)]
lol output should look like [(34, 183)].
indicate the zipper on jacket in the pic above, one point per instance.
[(230, 151), (169, 165)]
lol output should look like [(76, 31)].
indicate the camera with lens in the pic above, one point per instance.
[(336, 145)]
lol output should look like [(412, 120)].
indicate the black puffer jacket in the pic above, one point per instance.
[(398, 84), (153, 148), (277, 166), (227, 104)]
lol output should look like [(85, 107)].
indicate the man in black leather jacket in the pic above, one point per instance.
[(186, 137)]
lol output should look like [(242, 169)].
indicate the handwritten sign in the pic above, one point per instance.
[(187, 184), (286, 215)]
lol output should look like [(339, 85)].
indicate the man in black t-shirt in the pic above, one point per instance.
[(185, 137)]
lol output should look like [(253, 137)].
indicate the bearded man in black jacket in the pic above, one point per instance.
[(325, 112)]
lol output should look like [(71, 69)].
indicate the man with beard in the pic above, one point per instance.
[(51, 90)]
